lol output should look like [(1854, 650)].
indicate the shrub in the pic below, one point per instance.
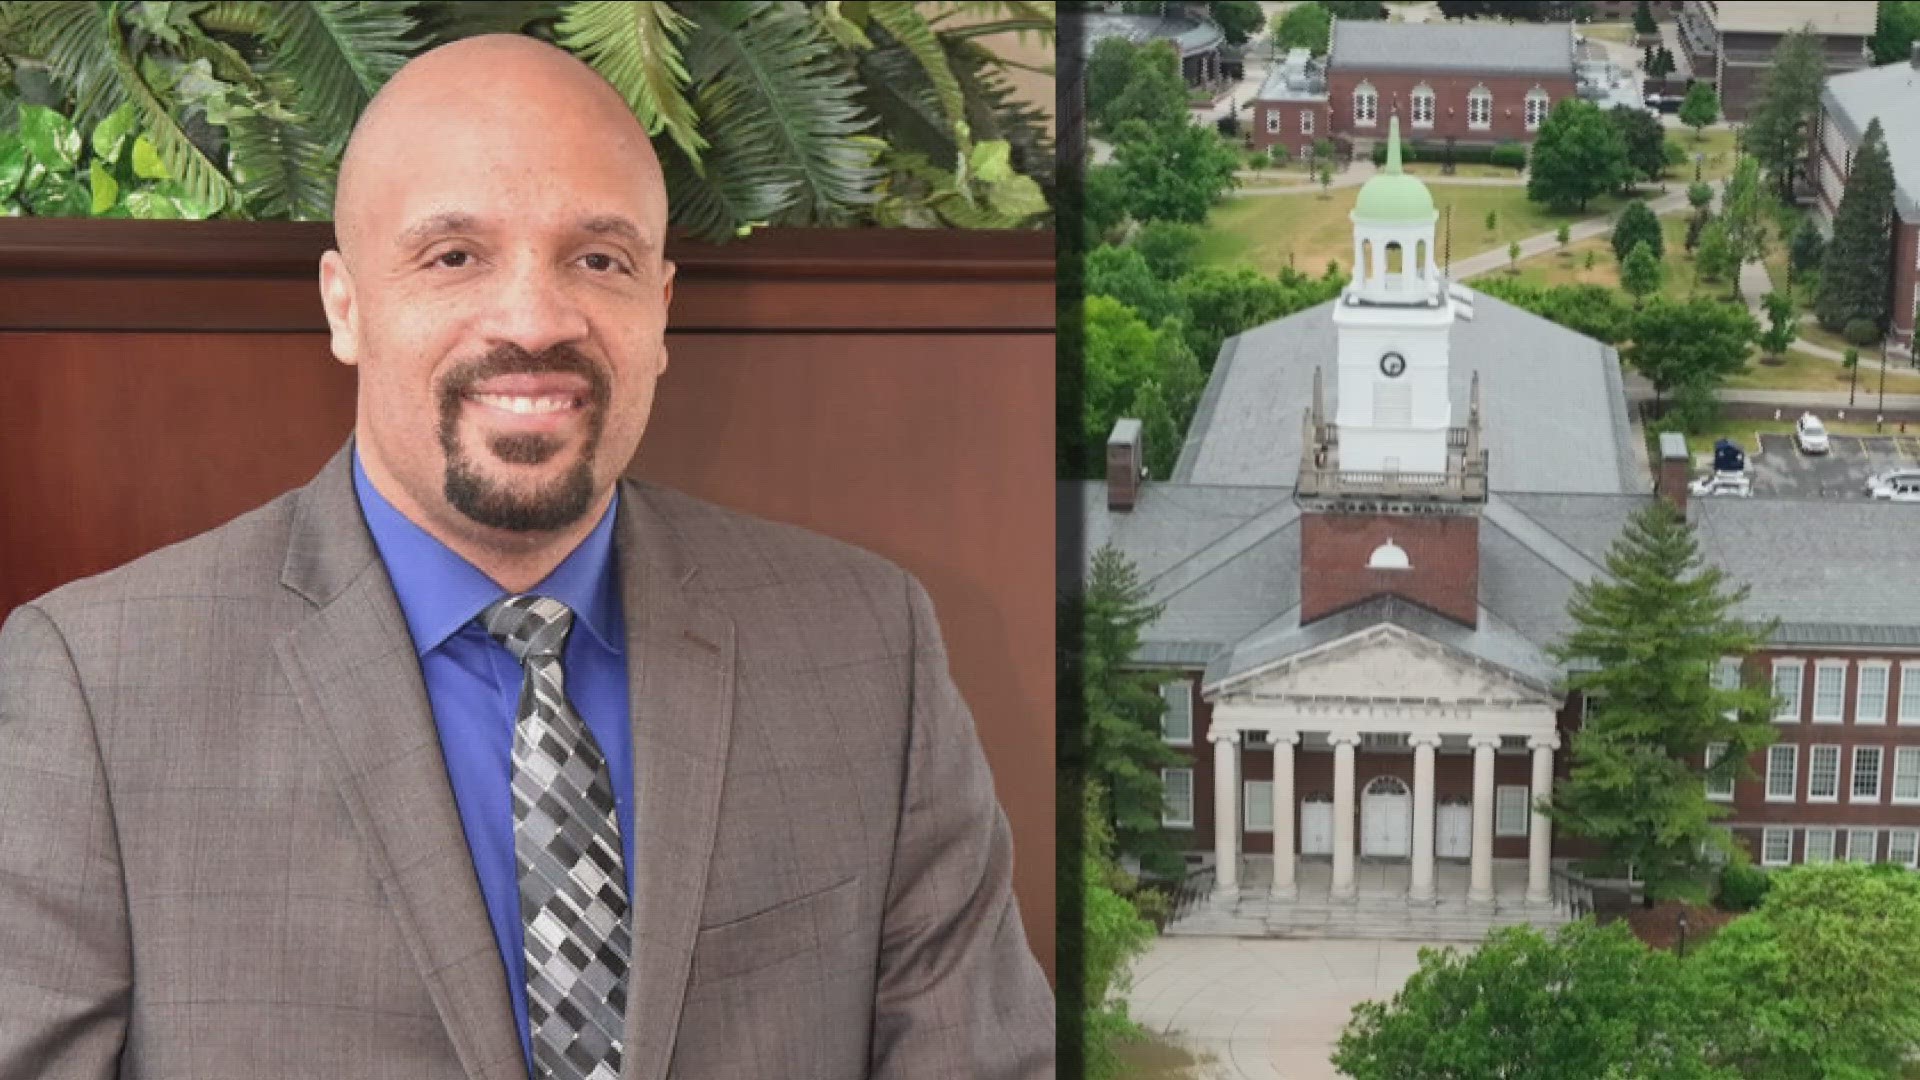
[(1699, 195), (1511, 155), (1862, 332), (1154, 905), (1742, 886)]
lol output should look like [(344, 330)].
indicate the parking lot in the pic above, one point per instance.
[(1780, 470)]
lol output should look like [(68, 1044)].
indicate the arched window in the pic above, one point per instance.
[(1480, 107), (1366, 260), (1386, 785), (1395, 264), (1538, 104), (1422, 106), (1366, 105), (1420, 258)]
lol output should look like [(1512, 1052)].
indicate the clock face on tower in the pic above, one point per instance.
[(1392, 364)]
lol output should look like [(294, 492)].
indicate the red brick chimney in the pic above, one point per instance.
[(1126, 464), (1348, 555), (1671, 476)]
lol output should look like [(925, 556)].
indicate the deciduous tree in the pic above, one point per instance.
[(1238, 19), (1646, 143), (1577, 155), (1894, 31), (1173, 171), (1171, 248), (1698, 343), (1637, 225), (1699, 108), (1783, 323), (1123, 273), (1640, 273), (1148, 88), (1304, 26)]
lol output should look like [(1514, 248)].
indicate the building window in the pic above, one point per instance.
[(1866, 774), (1787, 675), (1178, 813), (1510, 810), (1910, 693), (1273, 121), (1823, 774), (1829, 691), (1863, 845), (1870, 702), (1537, 103), (1906, 774), (1726, 676), (1782, 763), (1819, 846), (1383, 740), (1480, 108), (1903, 847), (1423, 106), (1366, 105), (1176, 724), (1719, 788), (1776, 846), (1259, 797), (1306, 121)]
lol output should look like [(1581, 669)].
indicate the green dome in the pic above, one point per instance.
[(1392, 195)]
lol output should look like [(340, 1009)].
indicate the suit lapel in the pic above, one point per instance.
[(680, 674), (353, 669)]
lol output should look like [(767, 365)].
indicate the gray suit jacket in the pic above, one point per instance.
[(229, 850)]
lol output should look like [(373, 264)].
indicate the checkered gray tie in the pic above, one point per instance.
[(566, 842)]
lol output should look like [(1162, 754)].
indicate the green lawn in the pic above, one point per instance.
[(1621, 32), (1569, 267), (1716, 144), (1460, 168), (1266, 231), (1799, 370)]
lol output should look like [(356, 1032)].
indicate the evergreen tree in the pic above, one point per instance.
[(1637, 225), (1654, 630), (1807, 249), (1789, 101), (1123, 752), (1700, 108), (1896, 26), (1856, 278), (1577, 155), (1643, 19), (1640, 273)]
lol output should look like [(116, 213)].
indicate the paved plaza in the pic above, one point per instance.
[(1263, 1009)]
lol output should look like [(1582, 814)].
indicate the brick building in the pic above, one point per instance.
[(1367, 549), (1731, 42), (1475, 83), (1848, 104)]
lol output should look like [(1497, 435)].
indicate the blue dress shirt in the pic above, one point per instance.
[(473, 686)]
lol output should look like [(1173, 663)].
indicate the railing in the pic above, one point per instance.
[(1194, 890), (1447, 485), (1580, 897)]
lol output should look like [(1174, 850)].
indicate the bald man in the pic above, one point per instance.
[(472, 759)]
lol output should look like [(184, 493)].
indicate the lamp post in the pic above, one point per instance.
[(1882, 415), (1683, 934)]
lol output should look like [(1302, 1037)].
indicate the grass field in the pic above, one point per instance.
[(1461, 168), (1717, 145), (1569, 267), (1266, 231), (1804, 371), (1621, 32)]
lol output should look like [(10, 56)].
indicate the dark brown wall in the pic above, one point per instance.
[(894, 389), (1449, 103), (1289, 134), (1444, 552)]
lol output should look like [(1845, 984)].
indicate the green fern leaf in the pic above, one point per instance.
[(337, 54), (742, 183), (285, 169), (911, 29), (636, 47), (245, 17), (796, 98), (451, 20)]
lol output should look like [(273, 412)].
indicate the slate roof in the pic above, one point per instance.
[(1834, 572), (1553, 407), (1888, 92), (1479, 48)]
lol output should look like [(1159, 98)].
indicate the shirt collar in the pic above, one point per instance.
[(440, 592)]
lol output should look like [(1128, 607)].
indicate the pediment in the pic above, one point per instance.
[(1386, 663)]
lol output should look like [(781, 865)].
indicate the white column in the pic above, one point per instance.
[(1284, 887), (1343, 744), (1226, 813), (1421, 888), (1539, 836), (1480, 885)]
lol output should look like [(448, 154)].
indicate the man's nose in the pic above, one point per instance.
[(535, 310)]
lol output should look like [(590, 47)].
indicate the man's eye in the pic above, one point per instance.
[(600, 260), (452, 260)]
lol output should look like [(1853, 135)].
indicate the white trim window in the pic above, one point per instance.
[(1863, 845), (1510, 810), (1829, 691), (1178, 811), (1538, 105), (1909, 693), (1259, 805), (1906, 775), (1866, 774), (1176, 722), (1366, 105), (1306, 121), (1788, 675), (1783, 764), (1726, 676), (1819, 846), (1273, 121), (1480, 108), (1422, 100), (1719, 789), (1776, 846), (1823, 773), (1903, 847), (1870, 697)]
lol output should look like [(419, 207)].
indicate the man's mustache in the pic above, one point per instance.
[(514, 360)]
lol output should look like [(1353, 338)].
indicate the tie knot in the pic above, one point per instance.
[(529, 626)]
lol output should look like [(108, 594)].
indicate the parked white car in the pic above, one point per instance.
[(1735, 484), (1810, 435), (1890, 477), (1903, 487)]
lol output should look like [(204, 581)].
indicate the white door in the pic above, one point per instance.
[(1316, 828), (1453, 831), (1386, 819)]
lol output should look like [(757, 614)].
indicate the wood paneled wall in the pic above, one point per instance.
[(890, 388)]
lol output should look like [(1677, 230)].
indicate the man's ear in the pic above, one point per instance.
[(666, 303), (336, 296)]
